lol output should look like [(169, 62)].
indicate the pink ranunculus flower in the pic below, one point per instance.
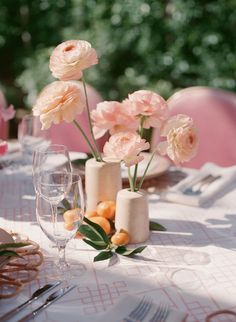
[(149, 105), (59, 101), (125, 146), (70, 58), (3, 147), (182, 139), (111, 116)]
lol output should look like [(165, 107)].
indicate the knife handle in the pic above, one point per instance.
[(51, 299), (31, 315), (14, 311)]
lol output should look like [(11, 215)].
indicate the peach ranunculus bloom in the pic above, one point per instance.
[(70, 58), (3, 147), (59, 101), (111, 116), (125, 146), (150, 105), (182, 139)]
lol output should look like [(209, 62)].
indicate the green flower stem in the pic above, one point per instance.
[(87, 140), (131, 183), (136, 165), (145, 172), (141, 128), (90, 122), (135, 175)]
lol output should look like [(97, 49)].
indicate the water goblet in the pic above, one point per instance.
[(52, 174), (49, 160), (31, 136), (54, 225)]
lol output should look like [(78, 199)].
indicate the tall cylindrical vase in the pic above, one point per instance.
[(132, 214), (102, 182)]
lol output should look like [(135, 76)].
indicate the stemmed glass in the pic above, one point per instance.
[(49, 159), (56, 228), (56, 188), (52, 173), (30, 136)]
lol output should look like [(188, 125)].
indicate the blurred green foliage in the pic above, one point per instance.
[(152, 44)]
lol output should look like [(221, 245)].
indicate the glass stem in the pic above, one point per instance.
[(54, 217), (61, 256)]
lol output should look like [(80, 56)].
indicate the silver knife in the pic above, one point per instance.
[(37, 294), (52, 298)]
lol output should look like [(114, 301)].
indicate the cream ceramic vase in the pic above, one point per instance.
[(132, 214), (102, 182)]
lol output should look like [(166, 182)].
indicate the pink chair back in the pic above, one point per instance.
[(69, 135), (3, 129), (3, 124), (214, 113)]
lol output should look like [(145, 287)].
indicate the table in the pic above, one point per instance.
[(191, 266)]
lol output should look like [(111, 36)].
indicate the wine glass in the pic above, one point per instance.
[(52, 174), (50, 164), (62, 225), (30, 135), (52, 159)]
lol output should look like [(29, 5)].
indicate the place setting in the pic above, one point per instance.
[(202, 187)]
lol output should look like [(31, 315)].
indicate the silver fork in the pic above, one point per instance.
[(200, 186), (140, 311), (161, 313)]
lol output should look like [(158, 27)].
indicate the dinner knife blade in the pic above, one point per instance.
[(51, 299), (37, 294)]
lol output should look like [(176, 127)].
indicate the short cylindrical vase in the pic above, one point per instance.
[(102, 182), (132, 214)]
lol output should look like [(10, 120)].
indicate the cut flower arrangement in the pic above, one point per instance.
[(125, 122)]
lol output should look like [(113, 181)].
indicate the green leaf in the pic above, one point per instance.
[(138, 250), (9, 253), (61, 210), (130, 252), (66, 204), (98, 229), (82, 161), (103, 255), (120, 250), (89, 232), (154, 226), (13, 245), (95, 244)]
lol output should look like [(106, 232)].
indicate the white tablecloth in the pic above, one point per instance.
[(191, 266)]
